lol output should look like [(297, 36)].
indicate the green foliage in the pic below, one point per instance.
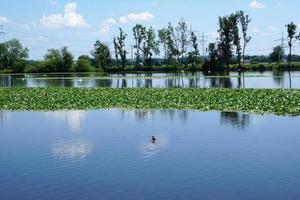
[(244, 21), (83, 65), (162, 35), (101, 54), (58, 60), (291, 30), (12, 54), (230, 29), (226, 39), (183, 42), (172, 48), (139, 33), (234, 19), (277, 54), (67, 60), (119, 44), (213, 62), (280, 102), (151, 46), (194, 55)]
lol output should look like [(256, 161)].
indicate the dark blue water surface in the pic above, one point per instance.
[(107, 154)]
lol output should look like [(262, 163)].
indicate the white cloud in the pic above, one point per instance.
[(5, 20), (213, 34), (29, 26), (107, 24), (255, 30), (257, 5), (36, 39), (136, 17), (262, 33), (70, 18), (273, 28)]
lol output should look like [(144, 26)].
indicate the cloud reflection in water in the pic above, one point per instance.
[(75, 150), (74, 119)]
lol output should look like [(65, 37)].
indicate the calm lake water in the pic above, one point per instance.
[(266, 79), (107, 154)]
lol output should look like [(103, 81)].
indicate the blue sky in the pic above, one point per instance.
[(43, 24)]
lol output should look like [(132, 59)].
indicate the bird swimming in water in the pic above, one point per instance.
[(154, 139)]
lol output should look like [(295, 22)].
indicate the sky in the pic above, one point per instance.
[(44, 24)]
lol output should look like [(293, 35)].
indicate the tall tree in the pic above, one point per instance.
[(67, 60), (277, 54), (162, 35), (116, 50), (120, 41), (234, 19), (225, 40), (182, 32), (172, 47), (3, 56), (150, 46), (58, 60), (14, 52), (139, 33), (291, 30), (101, 54), (194, 54), (53, 60), (213, 55), (244, 21)]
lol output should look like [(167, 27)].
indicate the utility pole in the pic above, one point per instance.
[(131, 53), (282, 41), (2, 33), (282, 44), (203, 41)]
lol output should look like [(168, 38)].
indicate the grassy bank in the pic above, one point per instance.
[(280, 102)]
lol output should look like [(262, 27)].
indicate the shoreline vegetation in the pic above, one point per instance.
[(260, 101)]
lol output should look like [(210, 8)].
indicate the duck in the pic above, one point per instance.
[(154, 138)]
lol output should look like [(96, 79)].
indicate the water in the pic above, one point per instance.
[(266, 79), (108, 154)]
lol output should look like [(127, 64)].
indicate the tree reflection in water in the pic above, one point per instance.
[(236, 120), (219, 79), (148, 80), (278, 77), (144, 115), (267, 79), (3, 117)]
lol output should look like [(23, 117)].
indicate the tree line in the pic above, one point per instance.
[(170, 48)]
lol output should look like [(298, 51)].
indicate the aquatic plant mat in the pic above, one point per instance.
[(275, 101)]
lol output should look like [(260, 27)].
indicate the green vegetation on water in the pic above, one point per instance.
[(279, 102)]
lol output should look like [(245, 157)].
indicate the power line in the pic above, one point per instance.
[(282, 45), (282, 41), (2, 33), (203, 40)]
